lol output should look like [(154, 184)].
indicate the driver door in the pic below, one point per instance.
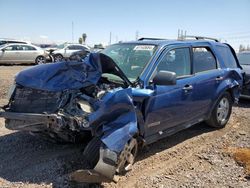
[(171, 105), (9, 54)]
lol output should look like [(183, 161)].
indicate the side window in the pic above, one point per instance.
[(79, 47), (28, 48), (12, 48), (19, 48), (203, 59), (176, 60), (227, 57), (71, 47)]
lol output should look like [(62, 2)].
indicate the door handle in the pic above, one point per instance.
[(219, 78), (187, 88)]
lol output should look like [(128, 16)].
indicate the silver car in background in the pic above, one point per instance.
[(17, 53), (64, 51)]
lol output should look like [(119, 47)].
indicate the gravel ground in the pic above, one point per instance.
[(197, 157)]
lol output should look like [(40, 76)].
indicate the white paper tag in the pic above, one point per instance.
[(144, 47)]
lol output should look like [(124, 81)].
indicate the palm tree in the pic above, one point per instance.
[(80, 40), (84, 36)]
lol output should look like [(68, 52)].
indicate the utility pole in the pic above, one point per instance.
[(72, 31), (181, 34), (136, 35), (110, 38)]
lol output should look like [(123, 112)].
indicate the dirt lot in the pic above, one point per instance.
[(197, 157)]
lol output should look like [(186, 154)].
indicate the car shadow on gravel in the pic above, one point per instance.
[(243, 103), (173, 140), (28, 159)]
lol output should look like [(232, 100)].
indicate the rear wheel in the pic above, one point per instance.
[(221, 112), (40, 60)]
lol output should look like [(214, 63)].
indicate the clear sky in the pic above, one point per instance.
[(51, 20)]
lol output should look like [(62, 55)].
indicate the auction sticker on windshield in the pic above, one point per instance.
[(144, 47)]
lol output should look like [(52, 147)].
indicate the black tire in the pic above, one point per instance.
[(91, 152), (58, 58), (40, 60), (214, 120)]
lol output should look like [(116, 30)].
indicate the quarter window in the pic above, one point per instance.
[(176, 60), (227, 57), (203, 59)]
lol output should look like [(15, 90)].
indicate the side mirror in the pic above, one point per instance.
[(165, 78), (3, 50)]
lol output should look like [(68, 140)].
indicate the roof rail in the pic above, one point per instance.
[(145, 38), (200, 38)]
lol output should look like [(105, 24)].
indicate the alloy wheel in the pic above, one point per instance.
[(222, 110), (127, 156)]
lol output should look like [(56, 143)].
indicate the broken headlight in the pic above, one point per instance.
[(85, 106)]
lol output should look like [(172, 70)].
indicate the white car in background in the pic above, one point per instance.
[(65, 51), (17, 53)]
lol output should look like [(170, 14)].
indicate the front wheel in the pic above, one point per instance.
[(58, 58), (125, 159), (221, 112)]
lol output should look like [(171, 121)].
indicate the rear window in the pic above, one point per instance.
[(227, 56), (244, 58), (203, 59)]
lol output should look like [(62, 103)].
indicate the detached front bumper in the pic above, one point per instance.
[(31, 121)]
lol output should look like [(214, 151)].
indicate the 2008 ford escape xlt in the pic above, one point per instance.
[(130, 94)]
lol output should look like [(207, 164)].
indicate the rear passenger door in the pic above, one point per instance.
[(28, 54), (10, 54), (207, 76)]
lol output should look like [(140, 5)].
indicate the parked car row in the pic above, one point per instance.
[(21, 52), (129, 95), (244, 59), (18, 53), (65, 51)]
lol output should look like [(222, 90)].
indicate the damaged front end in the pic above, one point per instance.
[(71, 102)]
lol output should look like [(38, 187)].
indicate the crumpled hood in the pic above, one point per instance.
[(68, 75)]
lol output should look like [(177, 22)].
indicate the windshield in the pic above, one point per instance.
[(131, 58), (244, 58)]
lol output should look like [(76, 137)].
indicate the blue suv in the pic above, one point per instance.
[(128, 95)]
